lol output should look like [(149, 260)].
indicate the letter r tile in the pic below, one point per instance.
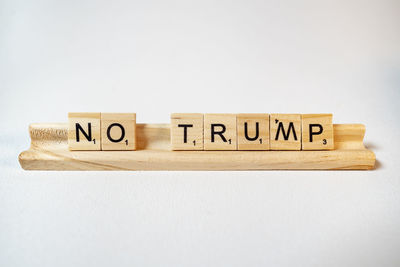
[(220, 132)]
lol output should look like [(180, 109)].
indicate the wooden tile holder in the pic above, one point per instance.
[(49, 151)]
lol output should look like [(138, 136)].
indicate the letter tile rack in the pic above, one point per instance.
[(49, 151)]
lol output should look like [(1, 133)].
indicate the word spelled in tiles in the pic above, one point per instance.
[(102, 131), (192, 131)]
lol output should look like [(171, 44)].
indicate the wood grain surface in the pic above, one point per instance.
[(49, 151)]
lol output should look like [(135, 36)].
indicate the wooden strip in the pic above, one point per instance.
[(49, 151)]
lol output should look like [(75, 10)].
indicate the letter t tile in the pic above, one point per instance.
[(187, 131)]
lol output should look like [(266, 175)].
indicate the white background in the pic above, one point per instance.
[(159, 57)]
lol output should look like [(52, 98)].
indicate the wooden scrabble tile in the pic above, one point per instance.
[(285, 131), (118, 131), (84, 131), (220, 132), (252, 131), (187, 131), (317, 132)]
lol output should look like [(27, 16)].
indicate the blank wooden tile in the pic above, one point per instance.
[(84, 131), (118, 131), (187, 131), (220, 132), (285, 131), (252, 131), (317, 132)]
